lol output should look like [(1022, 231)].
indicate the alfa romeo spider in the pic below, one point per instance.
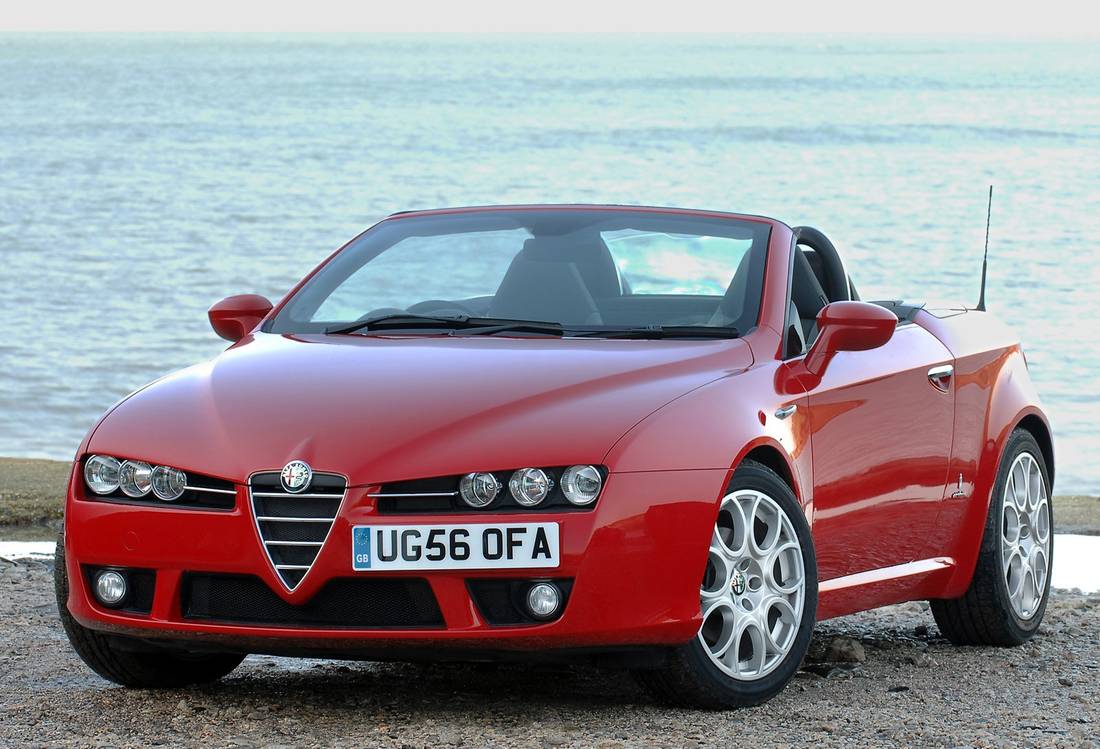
[(667, 440)]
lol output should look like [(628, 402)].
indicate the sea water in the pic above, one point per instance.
[(142, 178)]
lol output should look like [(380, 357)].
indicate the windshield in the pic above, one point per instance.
[(584, 271)]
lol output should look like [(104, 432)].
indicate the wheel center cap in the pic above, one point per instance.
[(737, 585)]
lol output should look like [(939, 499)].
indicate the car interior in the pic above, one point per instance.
[(573, 279), (817, 278)]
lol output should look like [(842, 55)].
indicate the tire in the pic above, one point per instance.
[(692, 677), (988, 613), (137, 666)]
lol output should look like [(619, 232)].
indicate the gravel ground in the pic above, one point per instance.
[(912, 689)]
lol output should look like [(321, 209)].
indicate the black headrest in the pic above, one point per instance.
[(813, 257), (732, 305), (545, 291), (587, 251), (806, 290)]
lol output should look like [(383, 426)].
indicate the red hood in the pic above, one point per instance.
[(387, 409)]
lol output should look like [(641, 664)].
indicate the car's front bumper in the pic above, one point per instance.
[(635, 562)]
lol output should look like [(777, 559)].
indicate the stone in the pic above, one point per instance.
[(846, 650), (920, 660)]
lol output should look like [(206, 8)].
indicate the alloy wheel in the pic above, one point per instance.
[(754, 587), (1025, 536)]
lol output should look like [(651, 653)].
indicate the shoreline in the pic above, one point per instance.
[(32, 493)]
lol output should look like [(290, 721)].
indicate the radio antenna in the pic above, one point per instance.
[(985, 255)]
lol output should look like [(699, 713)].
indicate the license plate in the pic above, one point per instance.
[(454, 547)]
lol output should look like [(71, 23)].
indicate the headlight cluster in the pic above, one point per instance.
[(134, 478), (530, 486)]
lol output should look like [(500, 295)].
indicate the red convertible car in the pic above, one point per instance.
[(665, 439)]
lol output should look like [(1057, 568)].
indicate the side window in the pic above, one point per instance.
[(409, 272), (658, 263)]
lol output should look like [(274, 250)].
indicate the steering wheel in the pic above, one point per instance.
[(835, 282)]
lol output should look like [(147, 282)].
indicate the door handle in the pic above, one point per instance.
[(940, 377), (785, 411)]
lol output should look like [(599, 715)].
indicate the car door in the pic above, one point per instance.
[(881, 428)]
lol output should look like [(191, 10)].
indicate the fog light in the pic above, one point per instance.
[(110, 587), (543, 600), (529, 486), (479, 489)]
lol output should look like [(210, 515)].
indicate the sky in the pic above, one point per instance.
[(863, 16)]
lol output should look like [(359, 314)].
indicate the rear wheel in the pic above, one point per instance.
[(1007, 597), (130, 662), (758, 599)]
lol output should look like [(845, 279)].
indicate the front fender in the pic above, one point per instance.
[(713, 429), (717, 425)]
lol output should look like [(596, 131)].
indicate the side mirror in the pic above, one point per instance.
[(848, 326), (236, 316)]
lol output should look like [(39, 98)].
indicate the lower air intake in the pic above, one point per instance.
[(350, 603)]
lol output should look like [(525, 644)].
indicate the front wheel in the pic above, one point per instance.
[(140, 667), (758, 600)]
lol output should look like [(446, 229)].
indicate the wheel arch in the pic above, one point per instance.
[(770, 456), (1040, 430)]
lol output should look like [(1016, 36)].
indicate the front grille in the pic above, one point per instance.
[(342, 603), (294, 527)]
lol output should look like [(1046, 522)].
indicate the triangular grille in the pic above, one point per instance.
[(293, 527)]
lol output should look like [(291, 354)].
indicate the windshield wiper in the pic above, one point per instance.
[(398, 320), (666, 331), (464, 323), (487, 326)]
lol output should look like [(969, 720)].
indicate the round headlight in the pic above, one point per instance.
[(479, 489), (581, 484), (101, 474), (543, 600), (135, 478), (168, 483), (110, 587), (529, 486)]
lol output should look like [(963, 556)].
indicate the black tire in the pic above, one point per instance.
[(984, 614), (690, 678), (138, 666)]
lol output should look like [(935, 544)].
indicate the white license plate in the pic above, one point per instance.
[(454, 547)]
